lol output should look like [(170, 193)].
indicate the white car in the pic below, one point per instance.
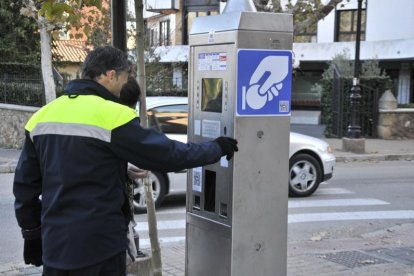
[(310, 159)]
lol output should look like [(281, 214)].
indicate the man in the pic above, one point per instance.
[(74, 159)]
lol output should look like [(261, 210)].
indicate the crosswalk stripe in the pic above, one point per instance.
[(322, 191), (162, 225), (335, 202), (308, 217), (295, 218), (308, 203), (172, 211), (341, 216), (146, 243), (333, 191)]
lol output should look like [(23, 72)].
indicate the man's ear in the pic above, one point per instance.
[(110, 74)]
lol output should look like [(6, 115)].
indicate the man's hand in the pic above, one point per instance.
[(135, 172), (32, 252), (228, 146)]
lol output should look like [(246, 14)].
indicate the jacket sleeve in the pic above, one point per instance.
[(152, 150), (27, 187)]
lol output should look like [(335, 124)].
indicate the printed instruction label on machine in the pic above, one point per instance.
[(197, 176), (210, 128), (216, 61), (264, 82)]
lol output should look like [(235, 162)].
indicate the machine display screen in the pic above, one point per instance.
[(212, 94)]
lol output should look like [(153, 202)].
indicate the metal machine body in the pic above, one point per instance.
[(236, 220)]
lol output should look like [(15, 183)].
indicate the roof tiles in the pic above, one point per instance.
[(70, 50)]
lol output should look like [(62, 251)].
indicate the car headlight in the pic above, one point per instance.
[(329, 149)]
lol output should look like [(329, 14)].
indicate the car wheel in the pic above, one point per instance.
[(305, 175), (158, 187)]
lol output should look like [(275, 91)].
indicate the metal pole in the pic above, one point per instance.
[(354, 129), (118, 24)]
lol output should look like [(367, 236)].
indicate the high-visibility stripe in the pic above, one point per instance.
[(85, 110), (72, 130)]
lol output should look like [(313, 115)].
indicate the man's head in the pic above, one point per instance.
[(108, 66), (130, 93)]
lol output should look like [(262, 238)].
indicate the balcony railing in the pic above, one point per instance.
[(163, 6)]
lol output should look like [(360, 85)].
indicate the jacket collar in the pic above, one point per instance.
[(89, 87)]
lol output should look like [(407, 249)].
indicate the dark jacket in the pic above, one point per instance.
[(74, 157)]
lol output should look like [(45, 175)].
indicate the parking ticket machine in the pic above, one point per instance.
[(240, 87)]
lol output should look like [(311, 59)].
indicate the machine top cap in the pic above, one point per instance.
[(239, 6)]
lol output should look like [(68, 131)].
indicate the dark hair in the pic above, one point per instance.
[(130, 93), (102, 59)]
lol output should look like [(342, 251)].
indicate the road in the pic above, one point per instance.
[(361, 204), (11, 242), (362, 197)]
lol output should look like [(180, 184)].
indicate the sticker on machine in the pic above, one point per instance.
[(197, 127), (264, 82), (216, 61), (210, 128), (197, 176)]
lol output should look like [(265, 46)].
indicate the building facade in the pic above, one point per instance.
[(386, 36)]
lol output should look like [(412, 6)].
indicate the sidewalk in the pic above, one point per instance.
[(375, 150)]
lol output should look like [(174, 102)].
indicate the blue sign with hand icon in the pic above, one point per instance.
[(264, 82)]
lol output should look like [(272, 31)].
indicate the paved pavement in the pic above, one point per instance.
[(357, 257)]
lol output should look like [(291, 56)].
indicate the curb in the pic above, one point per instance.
[(7, 168), (375, 157)]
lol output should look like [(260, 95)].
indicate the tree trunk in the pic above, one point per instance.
[(46, 61), (152, 220)]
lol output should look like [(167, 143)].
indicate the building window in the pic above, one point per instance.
[(152, 38), (165, 33), (194, 14), (304, 92), (189, 19), (346, 25), (307, 35)]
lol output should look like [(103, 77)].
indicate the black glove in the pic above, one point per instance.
[(32, 251), (228, 146)]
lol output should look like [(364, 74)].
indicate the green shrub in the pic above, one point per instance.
[(373, 82), (371, 90), (20, 70)]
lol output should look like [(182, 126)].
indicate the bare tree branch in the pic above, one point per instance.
[(319, 12), (311, 11)]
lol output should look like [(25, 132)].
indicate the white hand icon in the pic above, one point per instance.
[(278, 67)]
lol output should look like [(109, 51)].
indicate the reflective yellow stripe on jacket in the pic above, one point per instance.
[(83, 115)]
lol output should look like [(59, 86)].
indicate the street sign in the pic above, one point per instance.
[(264, 82)]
